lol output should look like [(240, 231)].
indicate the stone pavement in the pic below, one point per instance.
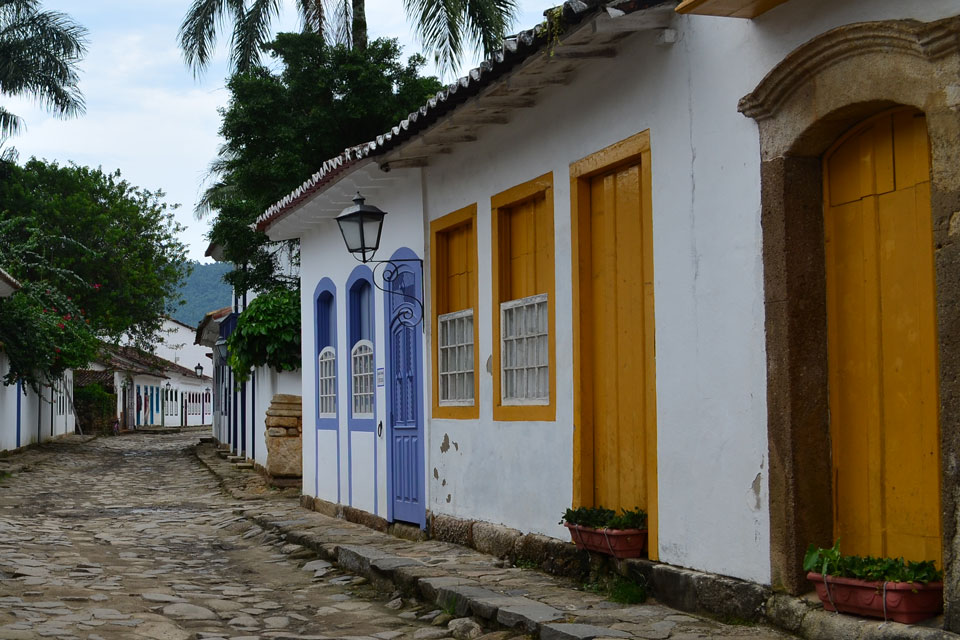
[(462, 581), (131, 537)]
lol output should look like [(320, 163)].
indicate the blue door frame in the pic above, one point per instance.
[(406, 499), (360, 325), (325, 335)]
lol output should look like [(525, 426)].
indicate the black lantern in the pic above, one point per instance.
[(360, 226), (221, 348), (198, 370)]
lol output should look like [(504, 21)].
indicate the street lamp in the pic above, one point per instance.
[(198, 370), (220, 346), (163, 406), (360, 226)]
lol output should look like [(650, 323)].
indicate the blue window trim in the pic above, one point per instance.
[(361, 274), (325, 286)]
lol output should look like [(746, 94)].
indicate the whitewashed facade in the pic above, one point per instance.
[(26, 416), (676, 80)]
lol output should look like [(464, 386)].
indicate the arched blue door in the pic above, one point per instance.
[(404, 394)]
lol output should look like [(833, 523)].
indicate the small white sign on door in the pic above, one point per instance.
[(381, 377)]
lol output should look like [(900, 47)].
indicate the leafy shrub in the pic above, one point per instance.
[(830, 562), (267, 333), (603, 518), (96, 407)]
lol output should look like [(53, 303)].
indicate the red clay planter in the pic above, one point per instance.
[(619, 543), (907, 602)]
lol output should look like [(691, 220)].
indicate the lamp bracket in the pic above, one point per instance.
[(410, 315)]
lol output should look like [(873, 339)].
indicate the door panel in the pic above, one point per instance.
[(405, 415), (618, 340), (882, 340)]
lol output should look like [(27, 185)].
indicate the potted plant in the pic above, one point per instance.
[(887, 588), (602, 530)]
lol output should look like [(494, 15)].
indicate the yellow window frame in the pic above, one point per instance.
[(438, 227), (499, 204)]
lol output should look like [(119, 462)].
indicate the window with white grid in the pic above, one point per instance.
[(327, 383), (455, 366), (362, 374), (524, 354)]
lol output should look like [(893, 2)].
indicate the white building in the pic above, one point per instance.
[(28, 417), (152, 391), (701, 264), (177, 345)]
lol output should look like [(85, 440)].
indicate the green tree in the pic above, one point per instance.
[(443, 26), (267, 333), (111, 248), (279, 127), (39, 53)]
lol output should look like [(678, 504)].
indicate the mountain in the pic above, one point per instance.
[(204, 290)]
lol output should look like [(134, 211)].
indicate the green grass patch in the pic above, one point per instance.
[(618, 589)]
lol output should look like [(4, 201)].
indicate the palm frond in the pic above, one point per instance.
[(198, 32), (252, 32), (312, 15), (439, 26), (446, 27), (39, 53), (10, 124), (487, 22), (339, 29)]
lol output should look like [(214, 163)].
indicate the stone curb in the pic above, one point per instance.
[(807, 619), (675, 587), (414, 578)]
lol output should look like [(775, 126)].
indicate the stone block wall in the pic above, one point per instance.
[(284, 424)]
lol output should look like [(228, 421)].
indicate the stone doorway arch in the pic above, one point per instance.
[(820, 90)]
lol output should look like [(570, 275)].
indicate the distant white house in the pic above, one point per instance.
[(178, 346), (27, 417), (151, 391)]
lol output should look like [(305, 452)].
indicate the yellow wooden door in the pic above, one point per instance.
[(617, 331), (882, 340)]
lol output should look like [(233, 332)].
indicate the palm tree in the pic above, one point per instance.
[(445, 27), (39, 53)]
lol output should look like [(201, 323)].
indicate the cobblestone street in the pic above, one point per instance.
[(132, 537)]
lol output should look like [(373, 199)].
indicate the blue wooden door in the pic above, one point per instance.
[(405, 413)]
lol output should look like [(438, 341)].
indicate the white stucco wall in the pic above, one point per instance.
[(40, 418), (267, 383), (710, 362), (352, 476), (708, 286), (176, 344)]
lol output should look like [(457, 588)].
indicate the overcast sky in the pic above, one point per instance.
[(146, 113)]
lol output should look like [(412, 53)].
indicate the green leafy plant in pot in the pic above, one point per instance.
[(599, 529), (888, 588)]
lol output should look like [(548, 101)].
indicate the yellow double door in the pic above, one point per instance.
[(616, 458), (882, 340)]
